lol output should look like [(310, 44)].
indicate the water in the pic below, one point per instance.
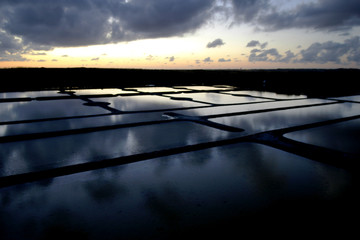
[(78, 123), (354, 98), (46, 153), (158, 89), (106, 91), (244, 108), (343, 137), (170, 195), (29, 110), (206, 88), (32, 94), (147, 103), (271, 95), (259, 122), (215, 98), (144, 163)]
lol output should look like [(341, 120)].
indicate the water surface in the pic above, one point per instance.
[(232, 187), (343, 136), (18, 111), (221, 190), (216, 98), (259, 122), (47, 153), (147, 103)]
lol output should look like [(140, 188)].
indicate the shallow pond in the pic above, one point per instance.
[(175, 174)]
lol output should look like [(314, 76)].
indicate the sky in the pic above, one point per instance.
[(180, 34)]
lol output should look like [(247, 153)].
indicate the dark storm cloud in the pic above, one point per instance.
[(328, 15), (56, 23), (8, 43), (87, 22), (163, 18), (249, 10), (216, 43), (10, 48)]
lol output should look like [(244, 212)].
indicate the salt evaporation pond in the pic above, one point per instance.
[(176, 162)]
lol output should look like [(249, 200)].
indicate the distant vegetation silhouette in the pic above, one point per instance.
[(312, 82)]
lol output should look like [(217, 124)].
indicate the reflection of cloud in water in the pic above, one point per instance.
[(61, 151), (267, 105), (15, 111), (32, 94), (76, 123), (266, 94), (112, 91), (258, 122), (146, 103), (233, 181), (216, 98)]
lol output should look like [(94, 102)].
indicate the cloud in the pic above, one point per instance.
[(63, 23), (56, 23), (38, 54), (332, 52), (163, 18), (224, 60), (26, 26), (255, 43), (150, 57), (171, 59), (5, 57), (328, 15), (289, 56), (216, 43), (325, 15), (269, 55), (208, 60), (10, 48), (322, 53), (248, 10), (87, 22)]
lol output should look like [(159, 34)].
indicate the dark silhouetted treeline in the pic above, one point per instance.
[(312, 82)]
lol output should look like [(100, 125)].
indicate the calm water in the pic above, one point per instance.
[(197, 181)]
